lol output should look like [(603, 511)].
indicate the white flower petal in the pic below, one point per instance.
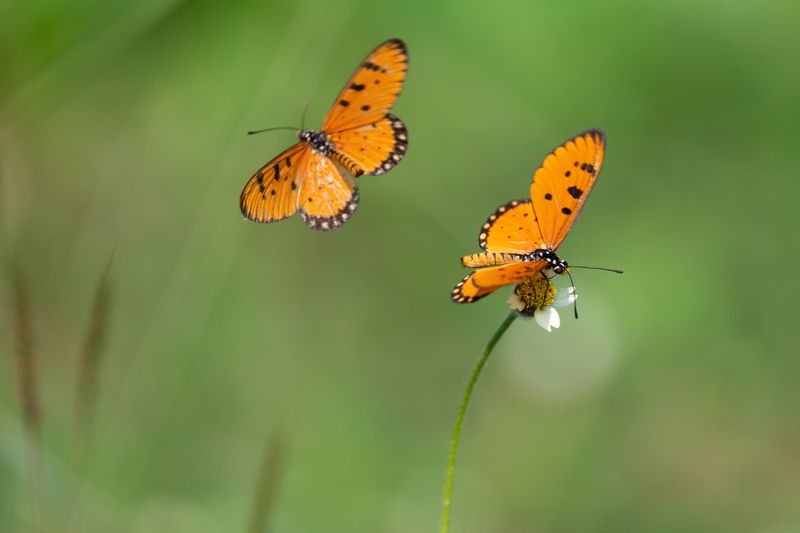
[(555, 319), (547, 317), (565, 297), (542, 318), (515, 303)]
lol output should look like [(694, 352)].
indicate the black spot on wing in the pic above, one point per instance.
[(575, 192)]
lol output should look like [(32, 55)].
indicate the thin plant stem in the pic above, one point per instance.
[(447, 496)]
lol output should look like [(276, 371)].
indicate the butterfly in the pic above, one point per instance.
[(358, 136), (521, 238)]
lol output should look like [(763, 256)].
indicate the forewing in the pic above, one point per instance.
[(487, 280), (511, 229), (272, 192), (372, 89), (563, 182)]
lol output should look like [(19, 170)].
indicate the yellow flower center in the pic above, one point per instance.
[(535, 293)]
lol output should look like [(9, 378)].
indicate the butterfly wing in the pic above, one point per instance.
[(271, 194), (372, 148), (372, 89), (367, 139), (487, 280), (563, 182), (511, 229), (327, 197)]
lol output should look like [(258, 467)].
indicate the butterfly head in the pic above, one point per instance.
[(554, 263), (318, 141)]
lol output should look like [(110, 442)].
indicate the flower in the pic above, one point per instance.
[(537, 297)]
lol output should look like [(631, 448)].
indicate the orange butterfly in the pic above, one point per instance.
[(521, 238), (358, 134)]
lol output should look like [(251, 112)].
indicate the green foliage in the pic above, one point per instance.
[(671, 405)]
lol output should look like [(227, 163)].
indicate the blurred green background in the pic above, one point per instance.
[(671, 405)]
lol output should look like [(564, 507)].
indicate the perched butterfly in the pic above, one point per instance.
[(358, 135), (521, 237)]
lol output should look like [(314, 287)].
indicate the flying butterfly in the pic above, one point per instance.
[(521, 238), (358, 136)]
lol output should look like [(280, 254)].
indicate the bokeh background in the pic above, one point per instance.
[(330, 364)]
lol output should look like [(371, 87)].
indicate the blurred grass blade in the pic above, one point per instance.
[(268, 484), (89, 364), (29, 394), (26, 361)]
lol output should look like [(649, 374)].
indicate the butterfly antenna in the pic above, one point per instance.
[(303, 116), (575, 301), (614, 270), (272, 129)]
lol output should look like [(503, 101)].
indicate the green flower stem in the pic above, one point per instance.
[(447, 497)]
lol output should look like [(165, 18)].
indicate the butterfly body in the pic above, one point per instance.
[(484, 259), (318, 141), (358, 136), (553, 262), (521, 237)]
